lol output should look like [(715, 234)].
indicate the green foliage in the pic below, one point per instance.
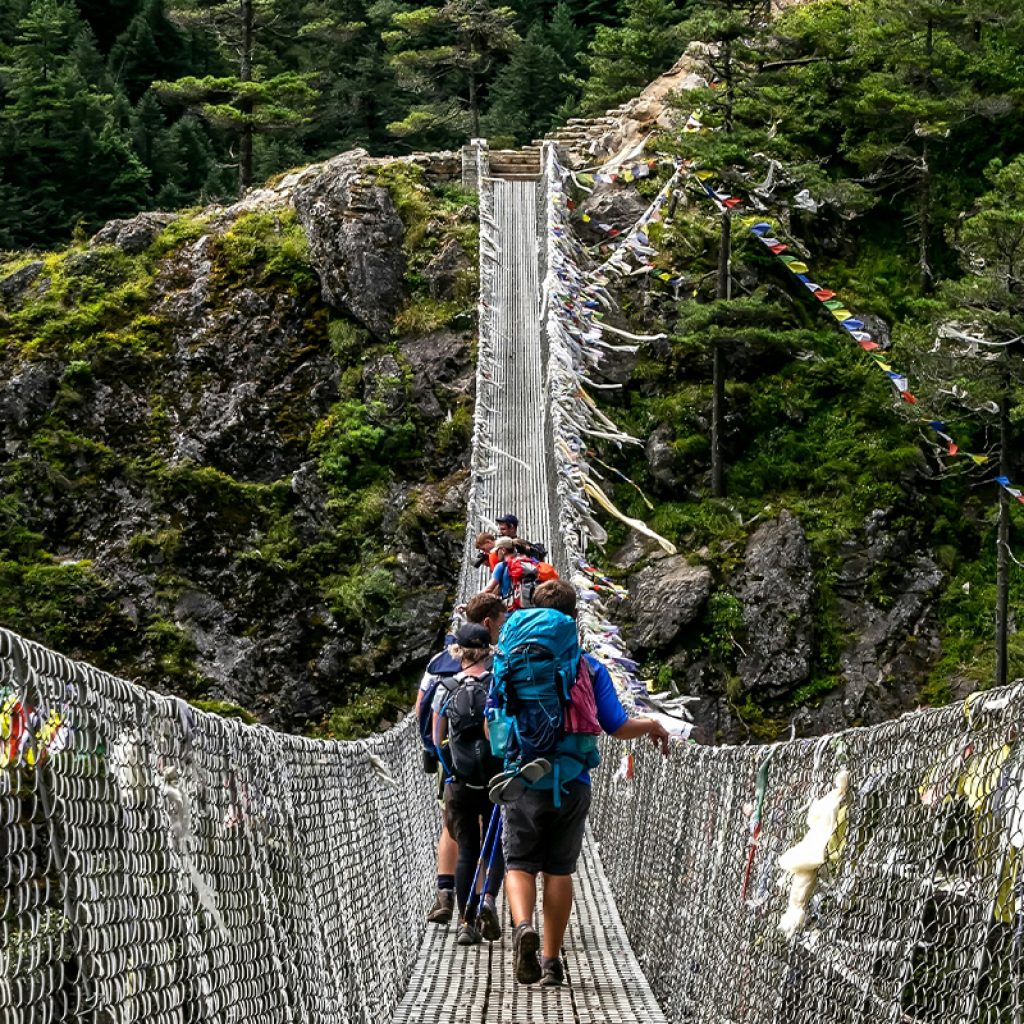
[(356, 442), (91, 300), (621, 60), (367, 712), (263, 248), (723, 622), (460, 40), (224, 708)]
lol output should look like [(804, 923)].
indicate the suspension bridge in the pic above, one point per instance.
[(164, 865)]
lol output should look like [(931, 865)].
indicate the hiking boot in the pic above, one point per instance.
[(552, 972), (510, 785), (443, 908), (468, 935), (525, 943), (487, 919)]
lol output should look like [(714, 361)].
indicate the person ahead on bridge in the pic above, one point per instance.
[(516, 576), (508, 526), (543, 827), (458, 716), (489, 611), (487, 553)]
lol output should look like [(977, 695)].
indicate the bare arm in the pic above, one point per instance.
[(440, 729), (637, 727)]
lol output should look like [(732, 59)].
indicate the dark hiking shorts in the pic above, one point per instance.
[(541, 837), (464, 808)]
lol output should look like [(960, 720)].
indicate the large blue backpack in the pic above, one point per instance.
[(535, 667)]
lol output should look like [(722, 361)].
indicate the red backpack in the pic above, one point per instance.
[(581, 711)]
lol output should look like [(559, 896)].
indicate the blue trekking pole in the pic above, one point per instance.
[(495, 817), (490, 864)]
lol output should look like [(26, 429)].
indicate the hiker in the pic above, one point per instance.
[(487, 553), (517, 575), (489, 611), (508, 526), (545, 789), (458, 716)]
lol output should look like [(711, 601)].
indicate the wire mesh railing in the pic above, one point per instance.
[(915, 914), (164, 865)]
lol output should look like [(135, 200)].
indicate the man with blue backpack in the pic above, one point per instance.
[(488, 611), (547, 705)]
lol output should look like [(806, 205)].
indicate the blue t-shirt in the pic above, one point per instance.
[(610, 712), (501, 574)]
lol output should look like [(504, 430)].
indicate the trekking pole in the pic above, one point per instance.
[(490, 864), (495, 817)]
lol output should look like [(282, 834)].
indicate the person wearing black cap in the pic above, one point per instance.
[(458, 708), (508, 526)]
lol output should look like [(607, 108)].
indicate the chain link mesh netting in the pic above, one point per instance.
[(915, 914), (165, 865)]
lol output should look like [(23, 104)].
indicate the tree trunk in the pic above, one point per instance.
[(718, 364), (925, 221), (245, 105), (474, 106), (1003, 543)]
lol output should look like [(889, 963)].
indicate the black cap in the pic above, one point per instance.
[(508, 518), (473, 636)]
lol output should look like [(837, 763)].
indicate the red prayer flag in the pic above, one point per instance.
[(777, 248), (953, 448), (908, 397), (733, 202), (868, 346), (824, 294)]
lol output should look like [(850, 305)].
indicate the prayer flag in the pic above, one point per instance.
[(868, 346), (833, 304), (760, 229), (797, 267), (778, 249), (824, 294), (731, 202), (853, 324), (841, 314)]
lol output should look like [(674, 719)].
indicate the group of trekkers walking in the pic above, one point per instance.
[(509, 713)]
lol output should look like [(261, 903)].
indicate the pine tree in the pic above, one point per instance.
[(439, 52), (63, 146), (526, 92), (245, 104), (725, 28), (150, 48), (186, 166), (357, 95), (621, 61)]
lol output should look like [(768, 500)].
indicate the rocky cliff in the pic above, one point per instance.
[(234, 441)]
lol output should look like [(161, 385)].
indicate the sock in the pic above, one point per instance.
[(446, 881), (545, 960)]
